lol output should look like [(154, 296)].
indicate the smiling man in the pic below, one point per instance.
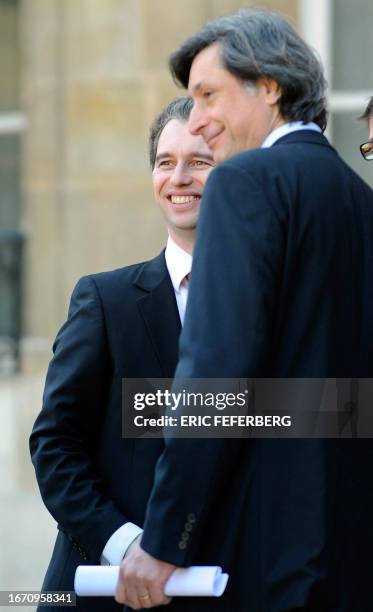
[(121, 324), (280, 288), (178, 186)]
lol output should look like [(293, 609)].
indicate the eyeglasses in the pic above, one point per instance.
[(367, 150)]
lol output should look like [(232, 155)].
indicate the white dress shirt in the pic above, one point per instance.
[(179, 264), (288, 128)]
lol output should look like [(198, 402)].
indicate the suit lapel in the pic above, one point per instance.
[(159, 311)]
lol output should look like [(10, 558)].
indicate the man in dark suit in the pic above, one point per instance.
[(121, 324), (281, 287)]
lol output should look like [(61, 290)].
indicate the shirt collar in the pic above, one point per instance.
[(178, 262), (287, 128)]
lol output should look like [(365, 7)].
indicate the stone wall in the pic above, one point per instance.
[(94, 74)]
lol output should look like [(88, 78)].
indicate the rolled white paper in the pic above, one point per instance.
[(195, 581), (96, 580)]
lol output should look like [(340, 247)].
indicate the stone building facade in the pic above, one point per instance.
[(93, 75)]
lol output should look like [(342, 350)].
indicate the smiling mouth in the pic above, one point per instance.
[(187, 199), (210, 143)]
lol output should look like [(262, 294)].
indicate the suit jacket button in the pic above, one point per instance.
[(185, 536), (182, 545), (188, 526), (191, 517)]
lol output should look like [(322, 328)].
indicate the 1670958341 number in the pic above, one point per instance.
[(24, 598)]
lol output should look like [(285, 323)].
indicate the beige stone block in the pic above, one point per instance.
[(105, 131), (43, 142), (108, 229), (219, 8), (159, 91), (42, 27), (103, 39), (289, 7), (44, 263), (166, 24)]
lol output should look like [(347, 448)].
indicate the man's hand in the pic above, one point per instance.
[(142, 579)]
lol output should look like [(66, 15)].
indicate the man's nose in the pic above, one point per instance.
[(181, 175), (197, 121)]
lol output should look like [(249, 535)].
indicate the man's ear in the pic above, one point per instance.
[(371, 128), (272, 91)]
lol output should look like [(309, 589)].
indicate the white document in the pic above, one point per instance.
[(195, 581)]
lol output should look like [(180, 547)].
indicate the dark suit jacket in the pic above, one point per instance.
[(121, 324), (281, 286)]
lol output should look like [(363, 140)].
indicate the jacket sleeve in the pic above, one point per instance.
[(65, 433)]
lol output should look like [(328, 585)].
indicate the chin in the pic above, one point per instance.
[(187, 226), (221, 155)]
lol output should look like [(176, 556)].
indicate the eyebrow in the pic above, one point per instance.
[(166, 155), (197, 87)]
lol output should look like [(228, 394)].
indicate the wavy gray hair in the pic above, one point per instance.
[(257, 43)]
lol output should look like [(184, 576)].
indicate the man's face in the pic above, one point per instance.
[(230, 116), (182, 165)]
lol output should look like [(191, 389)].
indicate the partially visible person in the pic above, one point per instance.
[(121, 324), (367, 147)]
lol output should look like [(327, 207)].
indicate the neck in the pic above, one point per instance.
[(277, 121), (184, 239)]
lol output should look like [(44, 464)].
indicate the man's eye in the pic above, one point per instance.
[(207, 94), (201, 163), (164, 163)]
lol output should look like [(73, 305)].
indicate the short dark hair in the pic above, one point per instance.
[(179, 108), (257, 43), (368, 113)]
